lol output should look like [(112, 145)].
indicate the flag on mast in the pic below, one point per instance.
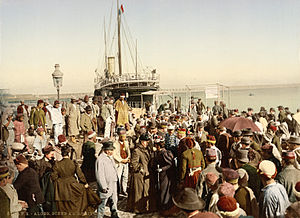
[(122, 8)]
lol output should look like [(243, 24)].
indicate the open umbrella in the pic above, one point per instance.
[(238, 123)]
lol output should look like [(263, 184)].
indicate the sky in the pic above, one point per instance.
[(189, 42)]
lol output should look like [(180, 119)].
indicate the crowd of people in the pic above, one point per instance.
[(72, 160)]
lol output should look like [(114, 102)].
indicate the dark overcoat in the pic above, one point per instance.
[(139, 188)]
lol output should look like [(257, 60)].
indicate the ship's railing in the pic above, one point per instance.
[(149, 77)]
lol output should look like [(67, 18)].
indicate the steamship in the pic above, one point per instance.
[(112, 82)]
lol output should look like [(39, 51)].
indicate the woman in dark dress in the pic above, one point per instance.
[(164, 166), (71, 195)]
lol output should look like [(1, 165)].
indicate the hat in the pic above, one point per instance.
[(294, 140), (288, 155), (209, 152), (144, 137), (62, 139), (40, 101), (228, 206), (163, 125), (86, 97), (56, 102), (280, 107), (242, 155), (226, 189), (21, 159), (66, 149), (171, 127), (152, 125), (237, 133), (245, 140), (121, 131), (267, 168), (242, 173), (4, 172), (188, 199), (211, 139), (200, 124), (247, 132), (73, 97), (211, 178), (88, 108), (230, 175), (106, 98), (108, 145), (91, 134), (47, 149), (181, 131), (296, 190), (273, 128)]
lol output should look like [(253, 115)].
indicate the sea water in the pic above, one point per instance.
[(243, 98)]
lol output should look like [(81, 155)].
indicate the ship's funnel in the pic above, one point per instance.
[(111, 65)]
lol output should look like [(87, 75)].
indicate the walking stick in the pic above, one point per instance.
[(158, 182)]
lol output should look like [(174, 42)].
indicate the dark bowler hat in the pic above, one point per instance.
[(247, 132), (108, 145), (200, 124), (294, 140), (88, 108), (47, 149), (242, 155), (237, 133), (245, 140), (188, 199), (152, 125), (144, 137)]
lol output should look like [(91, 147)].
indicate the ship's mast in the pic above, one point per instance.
[(119, 38), (136, 63), (105, 43)]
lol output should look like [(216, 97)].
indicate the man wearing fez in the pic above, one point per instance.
[(107, 179), (122, 158), (121, 108), (38, 116), (56, 118), (28, 187), (73, 118), (86, 123)]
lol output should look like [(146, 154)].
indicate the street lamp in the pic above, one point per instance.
[(57, 76)]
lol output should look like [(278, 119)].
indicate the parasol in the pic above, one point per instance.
[(239, 123)]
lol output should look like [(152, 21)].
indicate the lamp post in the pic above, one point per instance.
[(57, 76)]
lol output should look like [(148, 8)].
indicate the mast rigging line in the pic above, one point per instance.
[(132, 58), (131, 38)]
